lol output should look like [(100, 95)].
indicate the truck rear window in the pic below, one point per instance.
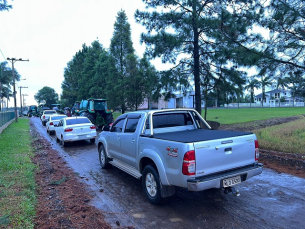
[(171, 120)]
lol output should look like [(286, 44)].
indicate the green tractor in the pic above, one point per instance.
[(96, 110), (32, 111)]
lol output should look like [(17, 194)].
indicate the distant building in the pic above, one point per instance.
[(275, 95), (180, 101)]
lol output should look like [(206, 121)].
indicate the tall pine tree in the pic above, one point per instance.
[(205, 32), (122, 53)]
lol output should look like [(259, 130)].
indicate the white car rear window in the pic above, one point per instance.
[(77, 121)]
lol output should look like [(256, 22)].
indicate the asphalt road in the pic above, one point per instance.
[(270, 200)]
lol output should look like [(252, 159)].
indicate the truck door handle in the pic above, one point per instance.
[(132, 140), (228, 150)]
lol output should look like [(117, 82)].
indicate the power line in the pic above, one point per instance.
[(2, 54)]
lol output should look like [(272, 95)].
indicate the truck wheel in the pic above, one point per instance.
[(104, 160), (151, 184)]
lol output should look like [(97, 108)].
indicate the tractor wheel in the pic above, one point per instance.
[(109, 118), (91, 118)]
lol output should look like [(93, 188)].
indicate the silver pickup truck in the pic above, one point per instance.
[(177, 148)]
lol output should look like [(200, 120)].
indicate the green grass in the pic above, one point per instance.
[(17, 181), (242, 115), (287, 137), (116, 114)]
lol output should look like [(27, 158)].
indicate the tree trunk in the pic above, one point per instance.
[(205, 102), (196, 62)]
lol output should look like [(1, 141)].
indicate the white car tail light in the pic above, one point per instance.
[(68, 129), (189, 163), (51, 123), (92, 127)]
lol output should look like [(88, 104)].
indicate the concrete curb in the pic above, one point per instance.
[(6, 125)]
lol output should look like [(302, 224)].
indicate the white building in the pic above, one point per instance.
[(273, 97), (180, 101)]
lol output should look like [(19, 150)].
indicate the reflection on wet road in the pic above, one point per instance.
[(270, 200)]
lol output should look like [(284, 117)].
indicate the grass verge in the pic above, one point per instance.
[(17, 180), (242, 115), (286, 137)]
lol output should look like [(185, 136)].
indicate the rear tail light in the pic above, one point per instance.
[(44, 117), (68, 129), (189, 163), (256, 150), (51, 124), (92, 127)]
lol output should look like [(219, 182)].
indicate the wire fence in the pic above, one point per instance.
[(270, 104), (6, 116)]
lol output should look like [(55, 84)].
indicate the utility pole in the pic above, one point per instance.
[(21, 98), (13, 60)]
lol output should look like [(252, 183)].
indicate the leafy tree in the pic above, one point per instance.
[(48, 94), (252, 84), (296, 85), (151, 81), (6, 80), (285, 22), (70, 86), (87, 79), (4, 5), (264, 81), (99, 87), (209, 34), (122, 53), (282, 82)]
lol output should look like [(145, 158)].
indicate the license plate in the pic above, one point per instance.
[(231, 181)]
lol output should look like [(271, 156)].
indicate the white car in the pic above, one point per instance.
[(72, 129), (53, 120), (45, 116)]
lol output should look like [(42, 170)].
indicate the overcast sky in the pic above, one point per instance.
[(49, 33)]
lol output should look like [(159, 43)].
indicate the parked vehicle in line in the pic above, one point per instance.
[(96, 110), (72, 129), (53, 120), (45, 116), (32, 111), (177, 148), (75, 108)]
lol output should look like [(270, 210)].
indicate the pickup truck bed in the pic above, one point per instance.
[(198, 135)]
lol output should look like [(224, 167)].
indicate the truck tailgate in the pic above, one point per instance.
[(224, 154)]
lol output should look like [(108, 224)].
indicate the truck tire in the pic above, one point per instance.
[(104, 160), (151, 184)]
